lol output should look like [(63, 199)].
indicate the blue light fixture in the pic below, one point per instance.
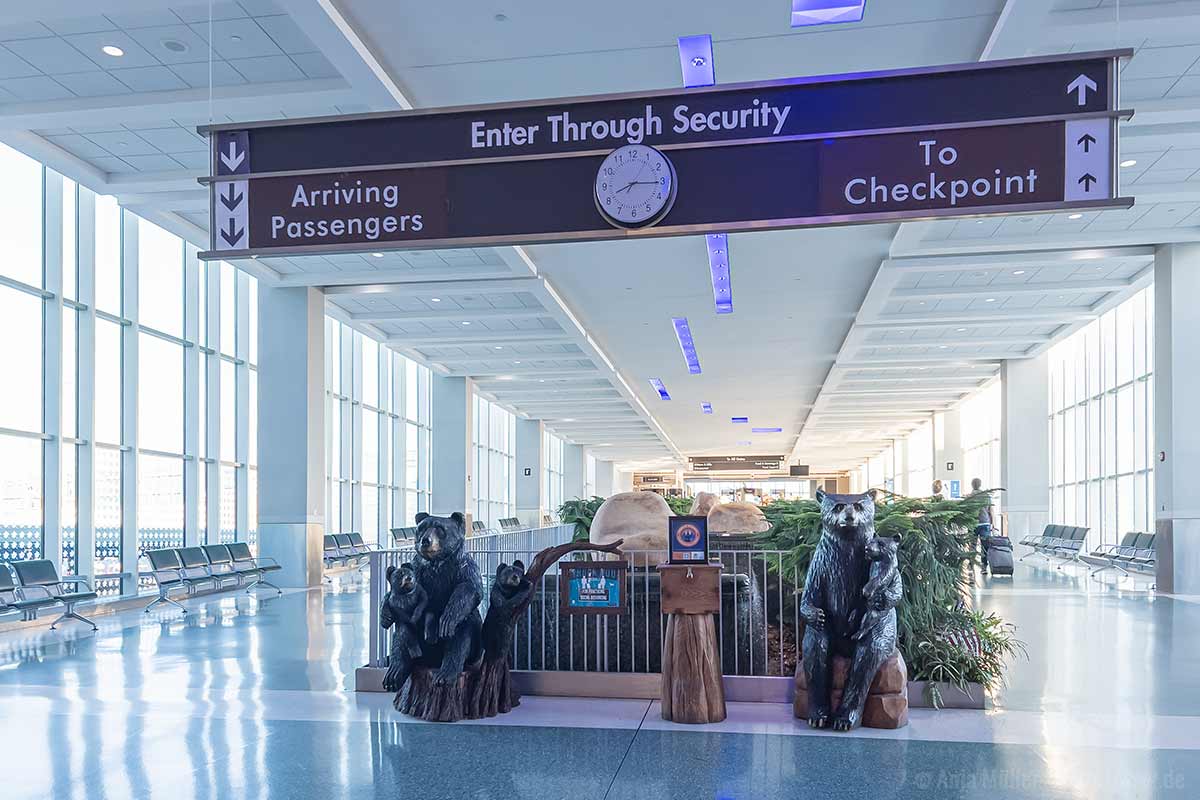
[(718, 265), (706, 408), (739, 420), (825, 12), (684, 334), (660, 388), (766, 430), (696, 60)]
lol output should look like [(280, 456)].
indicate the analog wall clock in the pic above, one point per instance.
[(635, 186)]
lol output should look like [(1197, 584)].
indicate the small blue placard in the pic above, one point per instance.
[(955, 489), (593, 587), (687, 540)]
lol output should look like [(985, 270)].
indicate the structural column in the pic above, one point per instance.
[(530, 465), (1025, 445), (291, 431), (1176, 434), (947, 453), (450, 448), (606, 475), (574, 471)]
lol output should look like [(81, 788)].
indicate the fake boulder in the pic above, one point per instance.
[(737, 518), (703, 503), (887, 699), (640, 518)]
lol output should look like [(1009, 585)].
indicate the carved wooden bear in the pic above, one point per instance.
[(404, 610), (451, 579), (832, 605), (509, 590)]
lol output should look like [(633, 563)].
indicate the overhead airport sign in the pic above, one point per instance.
[(736, 463), (1027, 135)]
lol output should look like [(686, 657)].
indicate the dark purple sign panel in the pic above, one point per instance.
[(783, 184)]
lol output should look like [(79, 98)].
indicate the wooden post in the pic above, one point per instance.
[(692, 691)]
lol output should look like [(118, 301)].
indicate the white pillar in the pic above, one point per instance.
[(1025, 444), (624, 481), (948, 452), (1176, 435), (291, 431), (452, 466), (606, 474), (574, 471), (530, 464)]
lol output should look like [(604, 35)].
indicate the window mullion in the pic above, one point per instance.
[(52, 364)]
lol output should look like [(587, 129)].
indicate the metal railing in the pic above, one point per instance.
[(757, 622)]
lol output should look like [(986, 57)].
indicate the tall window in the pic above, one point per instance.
[(101, 337), (1101, 423), (494, 487), (377, 435), (552, 457), (919, 481), (979, 419)]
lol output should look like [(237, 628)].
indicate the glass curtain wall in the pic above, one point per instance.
[(1102, 423), (136, 363), (495, 443), (552, 473), (919, 480), (377, 435), (979, 419)]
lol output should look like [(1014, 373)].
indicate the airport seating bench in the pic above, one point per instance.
[(14, 599), (1064, 542), (339, 550), (1135, 553), (209, 566), (402, 536), (40, 579)]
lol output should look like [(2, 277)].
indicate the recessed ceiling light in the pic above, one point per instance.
[(498, 347), (1074, 216), (568, 419), (959, 330), (990, 300), (377, 255), (174, 45), (501, 18), (943, 346), (112, 50), (435, 299), (466, 323), (1018, 272), (1132, 162), (235, 38)]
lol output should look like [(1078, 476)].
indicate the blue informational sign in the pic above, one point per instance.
[(955, 490), (688, 540), (593, 587)]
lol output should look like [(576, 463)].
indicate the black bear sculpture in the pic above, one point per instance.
[(404, 611), (509, 589), (452, 582), (833, 607)]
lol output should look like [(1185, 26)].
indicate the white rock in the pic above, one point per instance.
[(640, 518), (704, 503), (737, 518)]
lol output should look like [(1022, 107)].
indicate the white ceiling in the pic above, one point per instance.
[(844, 338)]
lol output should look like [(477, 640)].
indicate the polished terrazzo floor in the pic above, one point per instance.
[(249, 698)]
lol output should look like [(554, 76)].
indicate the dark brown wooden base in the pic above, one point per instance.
[(493, 692), (482, 691), (692, 691)]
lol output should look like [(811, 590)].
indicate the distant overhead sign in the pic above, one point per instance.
[(736, 463), (1029, 135)]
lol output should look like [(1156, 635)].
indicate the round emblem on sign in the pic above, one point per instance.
[(635, 186), (687, 535)]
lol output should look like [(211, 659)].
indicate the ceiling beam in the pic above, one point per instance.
[(1059, 315), (524, 372), (1025, 259), (1009, 290), (483, 336), (451, 315), (382, 284), (394, 277)]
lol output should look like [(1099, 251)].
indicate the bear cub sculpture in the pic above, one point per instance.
[(404, 608), (833, 607), (884, 587), (510, 589)]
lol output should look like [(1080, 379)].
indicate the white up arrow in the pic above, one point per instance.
[(234, 159), (1081, 85)]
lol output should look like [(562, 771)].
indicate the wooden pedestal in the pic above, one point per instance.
[(692, 691)]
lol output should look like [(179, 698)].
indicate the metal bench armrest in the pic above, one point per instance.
[(260, 559), (76, 580), (23, 592)]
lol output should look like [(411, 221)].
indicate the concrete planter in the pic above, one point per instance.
[(951, 696)]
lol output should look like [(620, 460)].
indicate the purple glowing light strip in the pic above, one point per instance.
[(718, 265), (684, 334), (824, 12), (660, 388), (696, 60), (766, 430), (739, 420), (706, 408)]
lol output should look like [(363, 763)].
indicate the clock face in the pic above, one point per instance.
[(635, 186)]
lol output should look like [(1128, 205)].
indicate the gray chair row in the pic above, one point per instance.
[(209, 566), (345, 550), (1135, 553), (510, 524), (401, 536), (33, 585), (1064, 542)]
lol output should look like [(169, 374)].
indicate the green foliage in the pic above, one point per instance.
[(679, 505), (581, 512), (937, 543)]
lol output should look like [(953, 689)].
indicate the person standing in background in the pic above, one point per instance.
[(983, 528)]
